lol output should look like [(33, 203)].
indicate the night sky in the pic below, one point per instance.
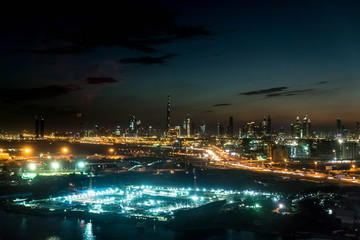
[(216, 59)]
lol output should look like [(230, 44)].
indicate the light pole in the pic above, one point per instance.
[(55, 165)]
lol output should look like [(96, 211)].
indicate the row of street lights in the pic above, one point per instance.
[(64, 150), (55, 166)]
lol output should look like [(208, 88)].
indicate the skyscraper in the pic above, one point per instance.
[(42, 127), (37, 126), (219, 129), (339, 126), (264, 126), (297, 127), (168, 118), (269, 125), (188, 130), (117, 131), (202, 128), (231, 127), (306, 128), (132, 123)]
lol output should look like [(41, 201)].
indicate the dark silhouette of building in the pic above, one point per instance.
[(268, 125), (231, 127), (339, 127), (37, 126), (42, 127), (219, 129)]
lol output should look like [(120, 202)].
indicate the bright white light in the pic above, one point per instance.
[(281, 206), (81, 164), (55, 165), (32, 166), (195, 198)]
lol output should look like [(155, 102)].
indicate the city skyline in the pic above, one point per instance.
[(215, 60)]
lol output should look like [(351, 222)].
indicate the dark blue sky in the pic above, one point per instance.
[(216, 59)]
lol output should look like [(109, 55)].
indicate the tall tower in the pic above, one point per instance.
[(304, 127), (132, 123), (219, 129), (168, 119), (269, 125), (264, 126), (308, 128), (42, 127), (202, 128), (188, 130), (231, 127), (297, 127), (37, 126), (339, 126)]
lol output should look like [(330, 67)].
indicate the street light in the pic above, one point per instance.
[(55, 165), (27, 150), (65, 150), (111, 150), (32, 166), (315, 162), (81, 164)]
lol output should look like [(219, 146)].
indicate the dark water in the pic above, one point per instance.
[(19, 226)]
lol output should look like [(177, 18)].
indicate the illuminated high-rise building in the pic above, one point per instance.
[(308, 128), (188, 130), (264, 126), (202, 128), (117, 131), (168, 117), (132, 123), (298, 127), (292, 130)]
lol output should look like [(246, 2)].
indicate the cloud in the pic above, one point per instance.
[(80, 31), (221, 104), (264, 91), (23, 94), (322, 82), (100, 80), (289, 93), (147, 60)]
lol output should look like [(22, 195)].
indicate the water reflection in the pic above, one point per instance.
[(88, 232)]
